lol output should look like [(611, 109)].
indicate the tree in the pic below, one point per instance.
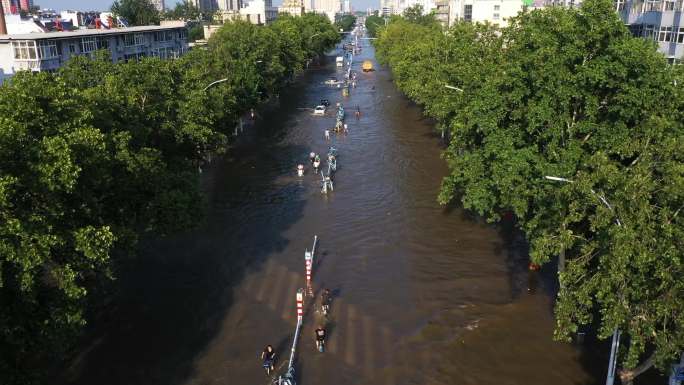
[(416, 14), (346, 22), (374, 22), (85, 173), (136, 12), (566, 93), (183, 11)]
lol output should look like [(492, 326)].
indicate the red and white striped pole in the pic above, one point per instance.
[(308, 262), (300, 305)]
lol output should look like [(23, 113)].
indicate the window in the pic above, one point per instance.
[(163, 36), (72, 47), (88, 44), (183, 34), (669, 5), (48, 49), (497, 7), (496, 16), (680, 35), (164, 53), (134, 56), (139, 39), (24, 50), (665, 34), (652, 5), (619, 5), (131, 39), (649, 31), (102, 43), (468, 12)]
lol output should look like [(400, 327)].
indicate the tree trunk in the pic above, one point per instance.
[(628, 375)]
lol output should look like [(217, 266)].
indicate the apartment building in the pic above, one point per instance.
[(492, 11), (49, 51), (661, 21), (259, 11)]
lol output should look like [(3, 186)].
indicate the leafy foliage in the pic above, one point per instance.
[(346, 22), (136, 12), (99, 154), (184, 10), (373, 22), (566, 93)]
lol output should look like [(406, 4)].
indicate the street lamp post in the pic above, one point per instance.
[(615, 344), (453, 88)]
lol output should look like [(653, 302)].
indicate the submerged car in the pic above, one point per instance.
[(325, 102), (319, 110)]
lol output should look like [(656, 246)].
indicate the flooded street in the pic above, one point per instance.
[(423, 294)]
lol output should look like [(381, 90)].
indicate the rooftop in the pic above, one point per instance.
[(87, 32)]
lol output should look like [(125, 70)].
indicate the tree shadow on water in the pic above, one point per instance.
[(170, 301)]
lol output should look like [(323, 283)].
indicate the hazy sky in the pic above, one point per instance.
[(105, 4)]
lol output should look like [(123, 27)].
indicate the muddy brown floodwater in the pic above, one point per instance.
[(423, 294)]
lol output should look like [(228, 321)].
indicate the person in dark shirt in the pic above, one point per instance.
[(268, 355), (320, 337)]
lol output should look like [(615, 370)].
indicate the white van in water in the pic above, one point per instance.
[(340, 61)]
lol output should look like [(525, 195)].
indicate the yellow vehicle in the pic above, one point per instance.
[(367, 66)]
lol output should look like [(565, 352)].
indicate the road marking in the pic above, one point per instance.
[(289, 308), (350, 351), (388, 348), (278, 288), (270, 265), (339, 308), (370, 343)]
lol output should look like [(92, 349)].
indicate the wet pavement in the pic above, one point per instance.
[(423, 294)]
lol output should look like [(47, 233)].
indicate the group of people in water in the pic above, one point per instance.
[(268, 355)]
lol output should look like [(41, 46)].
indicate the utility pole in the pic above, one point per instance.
[(3, 26)]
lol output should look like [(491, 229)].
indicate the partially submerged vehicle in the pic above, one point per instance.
[(319, 110)]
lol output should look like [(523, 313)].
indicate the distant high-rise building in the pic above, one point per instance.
[(205, 6), (159, 4), (229, 5), (10, 6), (293, 7), (25, 5)]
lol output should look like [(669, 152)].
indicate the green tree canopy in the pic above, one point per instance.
[(566, 93), (99, 154), (136, 12), (346, 22), (184, 10)]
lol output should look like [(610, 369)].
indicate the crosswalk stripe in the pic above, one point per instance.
[(278, 288), (370, 344), (261, 294), (337, 309), (350, 348), (289, 304), (387, 346)]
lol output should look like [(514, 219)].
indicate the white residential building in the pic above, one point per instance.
[(159, 4), (293, 7), (661, 21), (50, 50), (205, 6), (492, 11), (259, 12)]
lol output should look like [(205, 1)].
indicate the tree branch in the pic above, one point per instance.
[(628, 375)]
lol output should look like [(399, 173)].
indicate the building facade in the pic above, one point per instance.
[(661, 21), (49, 51), (492, 11), (159, 4), (205, 6), (293, 7), (259, 12)]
